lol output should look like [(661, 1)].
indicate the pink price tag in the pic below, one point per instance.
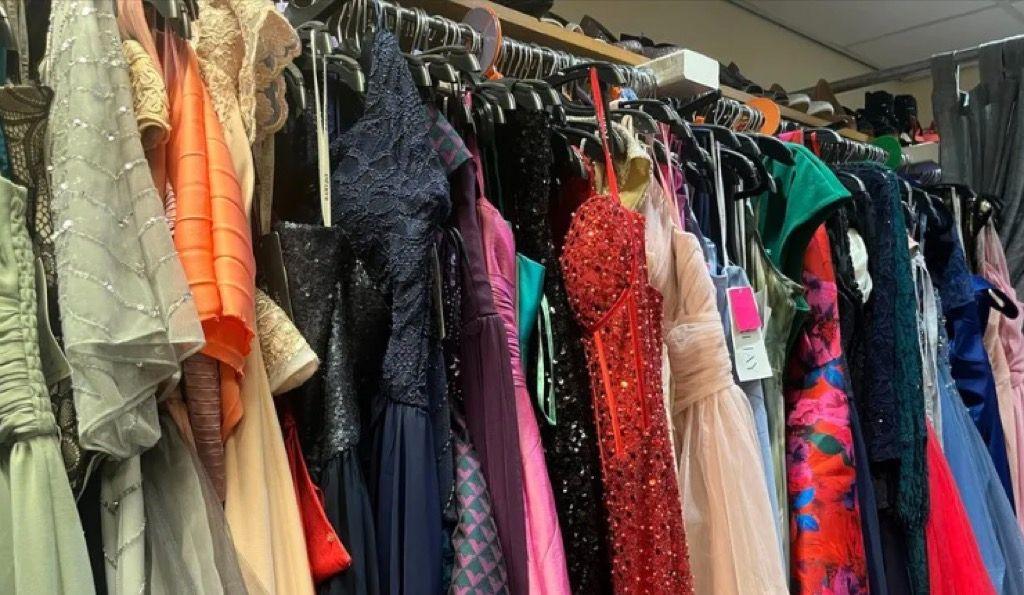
[(744, 309)]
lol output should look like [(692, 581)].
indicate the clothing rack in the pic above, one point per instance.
[(520, 59), (529, 31), (964, 56)]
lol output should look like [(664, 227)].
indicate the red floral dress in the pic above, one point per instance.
[(827, 544)]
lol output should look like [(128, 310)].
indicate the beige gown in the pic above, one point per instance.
[(733, 547), (261, 506)]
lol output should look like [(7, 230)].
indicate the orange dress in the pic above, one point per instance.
[(211, 231)]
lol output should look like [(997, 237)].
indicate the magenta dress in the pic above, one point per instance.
[(545, 554)]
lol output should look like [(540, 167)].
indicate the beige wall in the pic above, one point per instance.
[(765, 53)]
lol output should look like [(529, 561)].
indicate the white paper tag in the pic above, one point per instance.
[(750, 356)]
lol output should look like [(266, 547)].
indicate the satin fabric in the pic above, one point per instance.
[(545, 554), (211, 230)]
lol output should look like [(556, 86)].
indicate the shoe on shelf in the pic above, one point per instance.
[(730, 75)]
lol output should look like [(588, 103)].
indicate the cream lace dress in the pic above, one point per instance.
[(243, 45)]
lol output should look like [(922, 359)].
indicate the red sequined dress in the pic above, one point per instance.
[(606, 278)]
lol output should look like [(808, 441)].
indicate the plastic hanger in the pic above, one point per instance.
[(295, 87), (721, 134), (773, 148), (177, 14), (564, 154), (643, 123), (663, 112), (6, 33), (346, 67), (439, 68)]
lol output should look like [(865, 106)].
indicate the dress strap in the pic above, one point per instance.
[(602, 124)]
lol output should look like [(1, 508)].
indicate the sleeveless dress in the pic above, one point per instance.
[(606, 280), (825, 523), (389, 196), (487, 389), (545, 556), (733, 544), (572, 454), (42, 547)]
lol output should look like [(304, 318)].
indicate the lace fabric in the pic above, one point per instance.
[(149, 96), (390, 195), (893, 399), (126, 312), (23, 113), (288, 358), (389, 200)]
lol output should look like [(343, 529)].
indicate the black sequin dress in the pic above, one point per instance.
[(337, 307), (570, 444)]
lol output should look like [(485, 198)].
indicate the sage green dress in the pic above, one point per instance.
[(42, 547)]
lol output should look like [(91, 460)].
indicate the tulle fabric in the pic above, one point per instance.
[(188, 546), (954, 562), (126, 312), (732, 543), (733, 546)]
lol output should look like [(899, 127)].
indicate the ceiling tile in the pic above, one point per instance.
[(847, 22), (953, 34)]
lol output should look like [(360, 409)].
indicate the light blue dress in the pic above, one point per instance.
[(995, 527)]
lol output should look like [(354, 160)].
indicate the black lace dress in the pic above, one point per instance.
[(852, 329), (570, 444), (389, 197)]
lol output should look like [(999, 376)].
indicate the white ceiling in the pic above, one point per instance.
[(885, 34)]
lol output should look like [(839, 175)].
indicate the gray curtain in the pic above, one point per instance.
[(982, 138)]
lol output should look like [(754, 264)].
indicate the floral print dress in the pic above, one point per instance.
[(826, 539)]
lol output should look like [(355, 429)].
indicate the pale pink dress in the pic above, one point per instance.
[(992, 264), (546, 556)]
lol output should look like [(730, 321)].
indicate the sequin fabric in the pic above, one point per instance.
[(572, 453), (606, 281), (127, 315)]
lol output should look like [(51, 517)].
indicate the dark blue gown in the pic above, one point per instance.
[(389, 197)]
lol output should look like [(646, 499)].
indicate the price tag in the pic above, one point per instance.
[(750, 356)]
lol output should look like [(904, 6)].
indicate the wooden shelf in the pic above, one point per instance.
[(789, 113), (524, 27)]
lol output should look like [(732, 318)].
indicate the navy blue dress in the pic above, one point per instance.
[(965, 306), (389, 197)]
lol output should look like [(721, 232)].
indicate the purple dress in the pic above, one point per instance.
[(546, 555), (487, 387)]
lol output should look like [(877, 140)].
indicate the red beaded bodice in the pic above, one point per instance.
[(605, 273)]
